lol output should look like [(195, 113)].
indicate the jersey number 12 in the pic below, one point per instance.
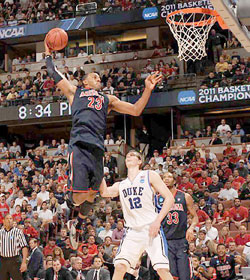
[(135, 203)]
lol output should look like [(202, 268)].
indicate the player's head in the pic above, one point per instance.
[(92, 80), (168, 179), (133, 159)]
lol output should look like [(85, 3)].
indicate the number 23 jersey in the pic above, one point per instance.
[(89, 113), (175, 223), (137, 199)]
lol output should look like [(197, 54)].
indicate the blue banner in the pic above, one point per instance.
[(77, 23)]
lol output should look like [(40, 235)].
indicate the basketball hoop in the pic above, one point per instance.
[(190, 28)]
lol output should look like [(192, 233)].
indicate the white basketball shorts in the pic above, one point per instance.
[(135, 242)]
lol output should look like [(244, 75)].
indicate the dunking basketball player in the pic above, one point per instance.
[(86, 148), (143, 223), (175, 229)]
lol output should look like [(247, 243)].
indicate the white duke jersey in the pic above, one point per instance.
[(137, 200)]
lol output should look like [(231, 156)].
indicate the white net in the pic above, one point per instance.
[(191, 34)]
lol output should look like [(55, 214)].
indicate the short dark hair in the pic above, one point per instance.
[(96, 257), (221, 244)]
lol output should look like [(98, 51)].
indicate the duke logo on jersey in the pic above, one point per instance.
[(138, 196), (137, 200)]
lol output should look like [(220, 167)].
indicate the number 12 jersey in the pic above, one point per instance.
[(137, 199)]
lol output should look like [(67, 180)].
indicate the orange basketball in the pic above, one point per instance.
[(57, 39)]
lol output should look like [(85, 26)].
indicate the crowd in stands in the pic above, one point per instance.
[(229, 70), (117, 81), (33, 185), (14, 12)]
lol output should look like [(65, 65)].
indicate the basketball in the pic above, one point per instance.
[(57, 39)]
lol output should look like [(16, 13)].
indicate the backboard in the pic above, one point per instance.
[(236, 14)]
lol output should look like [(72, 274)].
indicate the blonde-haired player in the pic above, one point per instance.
[(141, 218)]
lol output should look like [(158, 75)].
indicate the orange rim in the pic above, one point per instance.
[(198, 23)]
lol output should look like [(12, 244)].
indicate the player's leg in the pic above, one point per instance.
[(172, 258), (183, 264), (120, 271), (164, 274), (128, 254), (79, 192), (157, 250)]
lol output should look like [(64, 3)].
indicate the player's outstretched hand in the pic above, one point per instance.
[(154, 229), (47, 49), (190, 235), (152, 80)]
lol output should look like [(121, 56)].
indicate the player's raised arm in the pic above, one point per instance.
[(135, 109), (160, 187), (195, 220), (109, 191), (60, 81)]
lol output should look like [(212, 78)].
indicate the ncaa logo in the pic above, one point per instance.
[(186, 97), (150, 13)]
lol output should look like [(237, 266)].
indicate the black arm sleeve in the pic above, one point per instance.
[(52, 70)]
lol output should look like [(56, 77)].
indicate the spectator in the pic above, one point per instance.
[(58, 271), (228, 193), (86, 258), (223, 264), (211, 232), (76, 272), (48, 249), (229, 138), (242, 170), (223, 128), (106, 232), (43, 194), (215, 140), (47, 219), (242, 238), (238, 213), (89, 61), (215, 41), (108, 140), (221, 66), (215, 186), (98, 270), (221, 216), (82, 53), (14, 148), (118, 233), (239, 130), (144, 140), (35, 264), (92, 247)]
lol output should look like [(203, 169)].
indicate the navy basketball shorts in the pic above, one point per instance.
[(178, 258), (85, 167)]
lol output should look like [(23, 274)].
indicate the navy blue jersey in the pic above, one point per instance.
[(175, 223), (225, 267), (89, 113)]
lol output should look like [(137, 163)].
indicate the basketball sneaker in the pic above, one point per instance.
[(74, 234)]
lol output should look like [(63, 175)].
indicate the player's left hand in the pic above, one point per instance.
[(47, 49), (152, 80), (190, 235), (154, 229)]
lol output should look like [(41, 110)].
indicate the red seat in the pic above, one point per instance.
[(245, 203), (233, 233), (233, 227), (219, 227), (227, 204)]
